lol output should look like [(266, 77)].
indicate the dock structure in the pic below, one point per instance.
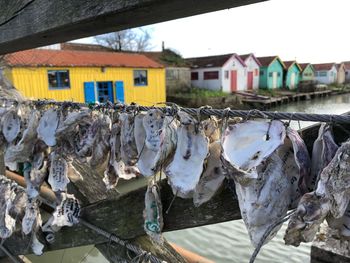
[(267, 103)]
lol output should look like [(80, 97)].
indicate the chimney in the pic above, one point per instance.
[(163, 46)]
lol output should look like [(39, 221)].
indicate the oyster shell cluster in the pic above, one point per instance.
[(266, 162)]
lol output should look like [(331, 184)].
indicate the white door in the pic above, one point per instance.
[(274, 80), (292, 80)]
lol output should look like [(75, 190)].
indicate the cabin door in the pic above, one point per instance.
[(292, 80), (233, 80), (105, 91), (274, 80), (250, 80)]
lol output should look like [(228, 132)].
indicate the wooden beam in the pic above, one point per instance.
[(27, 24)]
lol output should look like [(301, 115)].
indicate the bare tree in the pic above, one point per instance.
[(127, 40)]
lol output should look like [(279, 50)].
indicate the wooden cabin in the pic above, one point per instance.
[(271, 72), (307, 72), (253, 68), (340, 73), (325, 73), (347, 71), (223, 72), (86, 76), (291, 74)]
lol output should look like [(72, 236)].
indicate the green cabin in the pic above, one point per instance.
[(291, 74), (271, 72), (307, 72)]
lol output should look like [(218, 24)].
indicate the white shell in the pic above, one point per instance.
[(324, 149), (168, 141), (36, 246), (67, 212), (245, 145), (69, 124), (212, 177), (153, 124), (146, 155), (153, 215), (32, 217), (23, 150), (11, 125), (187, 165), (127, 139), (265, 201), (7, 223), (101, 146), (47, 127), (58, 175)]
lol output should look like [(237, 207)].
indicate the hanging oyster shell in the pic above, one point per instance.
[(47, 127), (101, 146), (127, 139), (342, 224), (147, 129), (187, 165), (212, 177), (70, 122), (304, 223), (67, 212), (265, 200), (32, 217), (324, 149), (11, 125), (34, 178), (58, 175), (335, 181), (87, 139), (211, 129), (296, 164), (36, 246), (18, 206), (153, 215), (23, 150), (245, 145), (167, 146), (7, 223)]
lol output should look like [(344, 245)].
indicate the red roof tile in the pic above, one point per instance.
[(290, 63), (71, 58), (324, 66), (212, 61), (347, 65)]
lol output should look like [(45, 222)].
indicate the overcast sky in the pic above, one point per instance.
[(306, 30)]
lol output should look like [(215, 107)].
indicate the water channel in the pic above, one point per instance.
[(225, 242)]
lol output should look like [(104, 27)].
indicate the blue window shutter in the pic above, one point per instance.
[(110, 91), (89, 92), (119, 87)]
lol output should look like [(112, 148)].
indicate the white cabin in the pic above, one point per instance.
[(253, 71), (325, 73), (224, 72)]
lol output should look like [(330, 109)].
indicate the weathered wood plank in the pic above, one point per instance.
[(26, 24)]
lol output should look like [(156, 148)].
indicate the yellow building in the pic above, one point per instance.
[(86, 76)]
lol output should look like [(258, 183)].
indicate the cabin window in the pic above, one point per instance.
[(279, 74), (323, 73), (346, 72), (140, 78), (270, 74), (211, 75), (226, 74), (261, 73), (256, 72), (194, 75), (58, 79)]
